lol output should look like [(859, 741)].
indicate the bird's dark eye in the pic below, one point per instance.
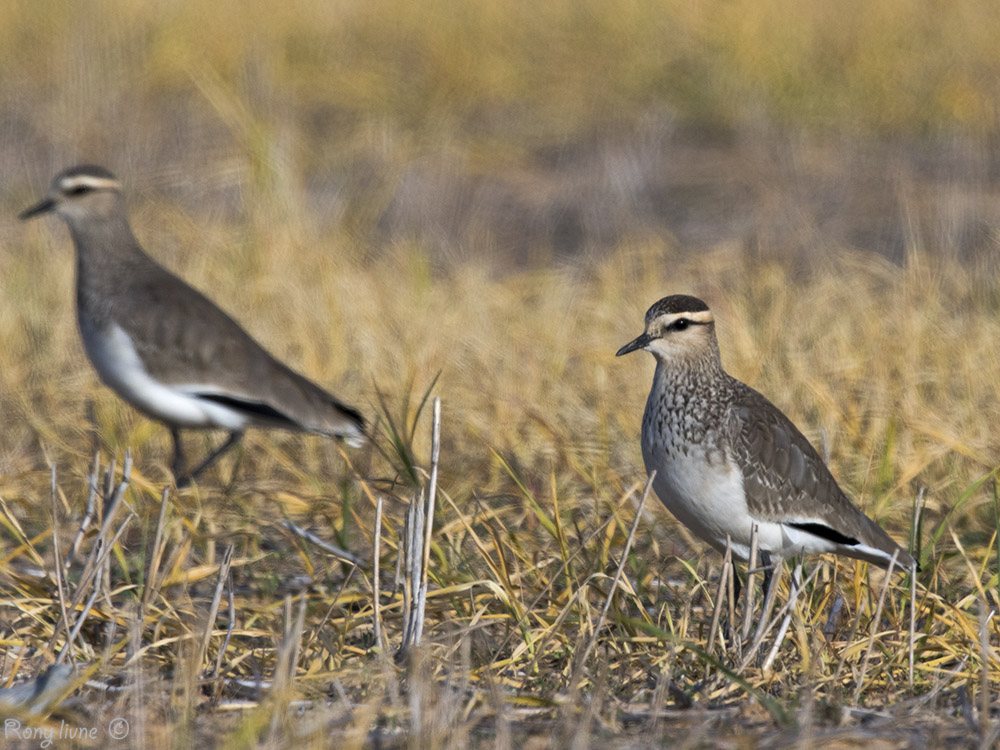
[(680, 324), (78, 190)]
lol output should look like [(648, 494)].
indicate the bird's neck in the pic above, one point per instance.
[(107, 258), (687, 384), (108, 242)]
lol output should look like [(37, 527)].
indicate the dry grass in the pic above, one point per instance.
[(538, 476), (479, 204)]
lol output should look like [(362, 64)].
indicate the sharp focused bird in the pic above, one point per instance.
[(727, 459)]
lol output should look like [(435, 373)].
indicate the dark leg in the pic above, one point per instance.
[(178, 463), (728, 628), (765, 563), (770, 591), (737, 585), (796, 583), (234, 437)]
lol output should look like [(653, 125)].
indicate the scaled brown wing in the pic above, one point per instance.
[(786, 480)]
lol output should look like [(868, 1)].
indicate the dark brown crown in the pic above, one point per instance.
[(674, 304)]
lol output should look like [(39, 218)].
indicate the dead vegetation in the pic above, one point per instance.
[(403, 220), (230, 609)]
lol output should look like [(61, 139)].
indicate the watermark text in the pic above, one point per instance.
[(47, 736)]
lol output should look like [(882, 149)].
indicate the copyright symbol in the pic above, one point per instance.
[(118, 729)]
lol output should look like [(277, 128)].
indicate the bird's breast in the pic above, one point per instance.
[(696, 480)]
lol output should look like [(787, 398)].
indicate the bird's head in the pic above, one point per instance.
[(79, 193), (678, 328)]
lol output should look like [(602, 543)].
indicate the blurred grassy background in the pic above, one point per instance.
[(526, 130), (386, 190)]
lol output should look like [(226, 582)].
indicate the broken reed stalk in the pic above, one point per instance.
[(618, 573), (376, 580), (88, 515), (288, 659), (57, 555), (406, 548), (155, 556), (913, 583), (92, 574), (766, 626), (984, 669), (429, 516), (751, 574), (232, 625), (213, 610), (912, 644), (720, 597), (415, 553), (324, 545), (84, 584), (874, 629), (419, 530), (777, 569), (793, 596), (295, 642)]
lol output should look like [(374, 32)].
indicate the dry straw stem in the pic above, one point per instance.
[(377, 578), (876, 620), (777, 571), (416, 550), (91, 576), (793, 597), (324, 545), (429, 519), (88, 515), (918, 507), (213, 610), (725, 579), (95, 589), (749, 590), (618, 571), (154, 557), (57, 554)]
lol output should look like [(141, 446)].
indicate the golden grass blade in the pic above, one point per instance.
[(155, 556), (875, 625)]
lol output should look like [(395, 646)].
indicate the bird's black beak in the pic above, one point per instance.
[(640, 342), (43, 206)]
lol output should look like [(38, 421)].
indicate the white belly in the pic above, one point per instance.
[(706, 497), (115, 358), (706, 494)]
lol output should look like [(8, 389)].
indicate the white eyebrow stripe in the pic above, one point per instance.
[(86, 180), (702, 316)]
